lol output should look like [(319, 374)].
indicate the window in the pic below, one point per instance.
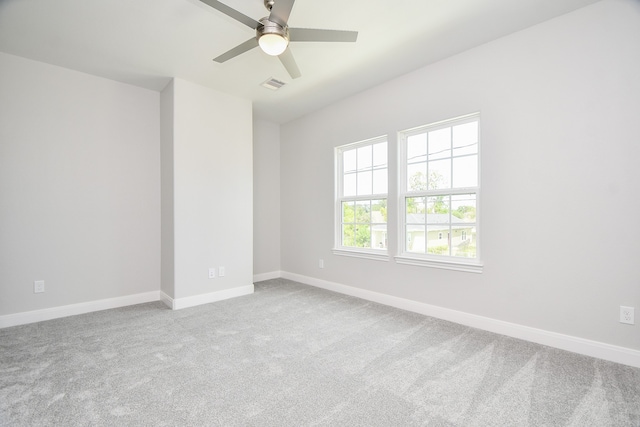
[(361, 199), (439, 194)]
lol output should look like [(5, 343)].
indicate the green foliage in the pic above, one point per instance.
[(380, 206), (415, 205), (348, 235), (438, 205), (363, 236), (356, 217), (467, 250), (417, 182), (363, 212), (438, 250), (348, 212), (465, 212)]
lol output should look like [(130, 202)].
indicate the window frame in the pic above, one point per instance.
[(449, 262), (339, 198)]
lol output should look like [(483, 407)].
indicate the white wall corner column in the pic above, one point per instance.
[(207, 195)]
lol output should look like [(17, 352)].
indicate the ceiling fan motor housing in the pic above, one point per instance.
[(270, 27)]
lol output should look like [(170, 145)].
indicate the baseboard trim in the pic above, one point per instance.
[(166, 299), (578, 345), (75, 309), (192, 301), (267, 276)]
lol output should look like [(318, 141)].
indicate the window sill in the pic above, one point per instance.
[(466, 266), (374, 255)]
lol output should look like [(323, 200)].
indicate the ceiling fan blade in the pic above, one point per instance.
[(280, 11), (240, 17), (290, 64), (241, 48), (313, 35)]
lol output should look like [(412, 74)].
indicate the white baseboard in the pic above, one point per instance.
[(192, 301), (166, 299), (267, 276), (105, 304), (74, 309), (578, 345)]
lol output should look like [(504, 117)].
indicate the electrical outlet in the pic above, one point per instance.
[(38, 286), (212, 273), (321, 263), (221, 271), (627, 315)]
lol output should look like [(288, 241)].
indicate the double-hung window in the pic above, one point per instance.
[(361, 199), (439, 194)]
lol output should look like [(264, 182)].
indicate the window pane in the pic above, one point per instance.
[(465, 171), (438, 210), (364, 183), (438, 240), (348, 235), (440, 161), (363, 236), (380, 154), (349, 185), (465, 139), (379, 211), (380, 181), (440, 144), (463, 242), (417, 148), (417, 177), (349, 161), (363, 212), (463, 208), (363, 223), (440, 174), (415, 205), (348, 212), (415, 238), (365, 157)]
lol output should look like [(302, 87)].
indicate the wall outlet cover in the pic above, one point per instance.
[(38, 286), (627, 315)]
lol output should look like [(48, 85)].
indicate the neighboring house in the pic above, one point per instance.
[(443, 231), (378, 230)]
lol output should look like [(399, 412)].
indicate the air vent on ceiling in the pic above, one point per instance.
[(272, 84)]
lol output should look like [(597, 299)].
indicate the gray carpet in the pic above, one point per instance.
[(293, 355)]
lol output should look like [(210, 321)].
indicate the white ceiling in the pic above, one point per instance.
[(146, 42)]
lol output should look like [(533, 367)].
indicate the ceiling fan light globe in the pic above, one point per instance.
[(273, 44)]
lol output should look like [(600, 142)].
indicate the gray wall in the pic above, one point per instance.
[(266, 198), (79, 187), (559, 105), (167, 232)]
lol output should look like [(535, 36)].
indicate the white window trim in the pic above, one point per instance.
[(374, 254), (428, 260), (338, 249), (446, 264)]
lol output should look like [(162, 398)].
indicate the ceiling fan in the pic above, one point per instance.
[(273, 34)]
